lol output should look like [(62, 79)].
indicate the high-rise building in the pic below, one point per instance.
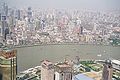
[(107, 70), (63, 71), (95, 27), (17, 14), (0, 29), (38, 24), (5, 9), (47, 70), (4, 13), (8, 64), (0, 16), (81, 30), (29, 14), (4, 28), (42, 24), (12, 21), (4, 18)]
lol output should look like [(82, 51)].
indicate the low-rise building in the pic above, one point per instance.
[(116, 64), (63, 71), (47, 70)]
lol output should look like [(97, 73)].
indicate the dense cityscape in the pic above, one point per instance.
[(29, 27)]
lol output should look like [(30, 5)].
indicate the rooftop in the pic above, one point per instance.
[(63, 65), (6, 49), (46, 62)]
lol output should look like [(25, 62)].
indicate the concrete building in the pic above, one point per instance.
[(4, 28), (107, 70), (63, 71), (116, 64), (0, 29), (47, 70), (81, 30), (29, 14), (0, 16), (17, 14), (8, 64)]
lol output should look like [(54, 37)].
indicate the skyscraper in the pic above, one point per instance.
[(107, 70), (4, 9), (5, 29), (8, 64), (38, 24), (29, 14), (0, 29), (0, 16), (42, 24), (47, 70), (17, 14), (81, 30)]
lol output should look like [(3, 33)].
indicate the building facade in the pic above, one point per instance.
[(107, 70), (63, 71), (47, 70), (8, 65)]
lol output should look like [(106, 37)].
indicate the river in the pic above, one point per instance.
[(28, 57)]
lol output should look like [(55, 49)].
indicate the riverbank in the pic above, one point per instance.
[(43, 44)]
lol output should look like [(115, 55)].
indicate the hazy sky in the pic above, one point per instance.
[(79, 4)]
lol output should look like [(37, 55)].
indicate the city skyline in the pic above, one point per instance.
[(59, 40), (66, 4)]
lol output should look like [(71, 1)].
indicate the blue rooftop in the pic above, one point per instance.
[(81, 77)]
